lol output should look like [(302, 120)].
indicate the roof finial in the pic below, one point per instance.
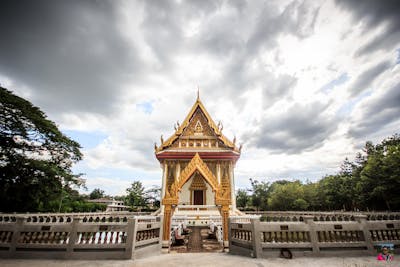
[(198, 93)]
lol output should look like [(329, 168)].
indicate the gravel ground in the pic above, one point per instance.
[(206, 259)]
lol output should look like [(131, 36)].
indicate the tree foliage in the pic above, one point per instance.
[(35, 157), (97, 193), (242, 199), (136, 195), (153, 196), (372, 181)]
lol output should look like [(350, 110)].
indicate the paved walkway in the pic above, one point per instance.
[(207, 259)]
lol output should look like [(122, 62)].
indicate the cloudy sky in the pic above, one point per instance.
[(302, 84)]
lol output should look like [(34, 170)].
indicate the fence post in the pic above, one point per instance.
[(309, 219), (16, 234), (160, 233), (256, 237), (73, 236), (362, 219), (130, 237)]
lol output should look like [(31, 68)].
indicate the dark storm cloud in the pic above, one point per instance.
[(374, 13), (277, 87), (377, 113), (297, 19), (70, 53), (301, 128), (365, 80), (162, 29)]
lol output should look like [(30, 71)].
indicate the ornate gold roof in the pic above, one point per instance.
[(215, 129)]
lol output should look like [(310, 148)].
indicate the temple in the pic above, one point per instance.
[(198, 164)]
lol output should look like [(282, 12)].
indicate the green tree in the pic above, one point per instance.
[(153, 196), (96, 193), (379, 181), (288, 196), (337, 192), (35, 157), (242, 198), (136, 195), (260, 192)]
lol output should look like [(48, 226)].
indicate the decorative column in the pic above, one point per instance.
[(168, 210), (178, 170), (232, 181), (164, 181), (218, 167), (225, 221), (169, 203)]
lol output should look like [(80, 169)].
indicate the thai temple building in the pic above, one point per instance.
[(198, 181)]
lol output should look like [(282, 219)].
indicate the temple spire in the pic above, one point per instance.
[(198, 93)]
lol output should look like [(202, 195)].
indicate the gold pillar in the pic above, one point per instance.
[(169, 207), (225, 217), (167, 222)]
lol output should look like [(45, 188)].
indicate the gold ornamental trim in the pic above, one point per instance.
[(179, 130)]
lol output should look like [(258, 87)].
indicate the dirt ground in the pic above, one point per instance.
[(206, 259)]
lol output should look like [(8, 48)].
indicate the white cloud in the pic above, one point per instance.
[(130, 70)]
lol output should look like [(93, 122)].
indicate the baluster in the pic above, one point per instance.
[(46, 237), (35, 237), (112, 238), (63, 237), (117, 237), (105, 235), (93, 235), (82, 238), (99, 238), (51, 238), (2, 236), (319, 233), (301, 236)]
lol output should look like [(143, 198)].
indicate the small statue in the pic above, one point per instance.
[(155, 146), (162, 140), (177, 123), (240, 147), (234, 140)]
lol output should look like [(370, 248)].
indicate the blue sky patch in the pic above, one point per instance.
[(145, 107), (86, 139), (398, 56), (346, 108), (336, 82)]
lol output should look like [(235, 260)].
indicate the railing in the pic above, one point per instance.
[(196, 208), (352, 236), (78, 237)]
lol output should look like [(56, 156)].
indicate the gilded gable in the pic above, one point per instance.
[(198, 126), (198, 131)]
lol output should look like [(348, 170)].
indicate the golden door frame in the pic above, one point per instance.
[(171, 198)]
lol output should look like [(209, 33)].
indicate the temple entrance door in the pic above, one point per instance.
[(198, 197)]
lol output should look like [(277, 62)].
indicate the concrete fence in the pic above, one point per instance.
[(313, 235), (82, 236)]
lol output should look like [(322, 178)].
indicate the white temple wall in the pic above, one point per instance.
[(184, 194), (210, 195)]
